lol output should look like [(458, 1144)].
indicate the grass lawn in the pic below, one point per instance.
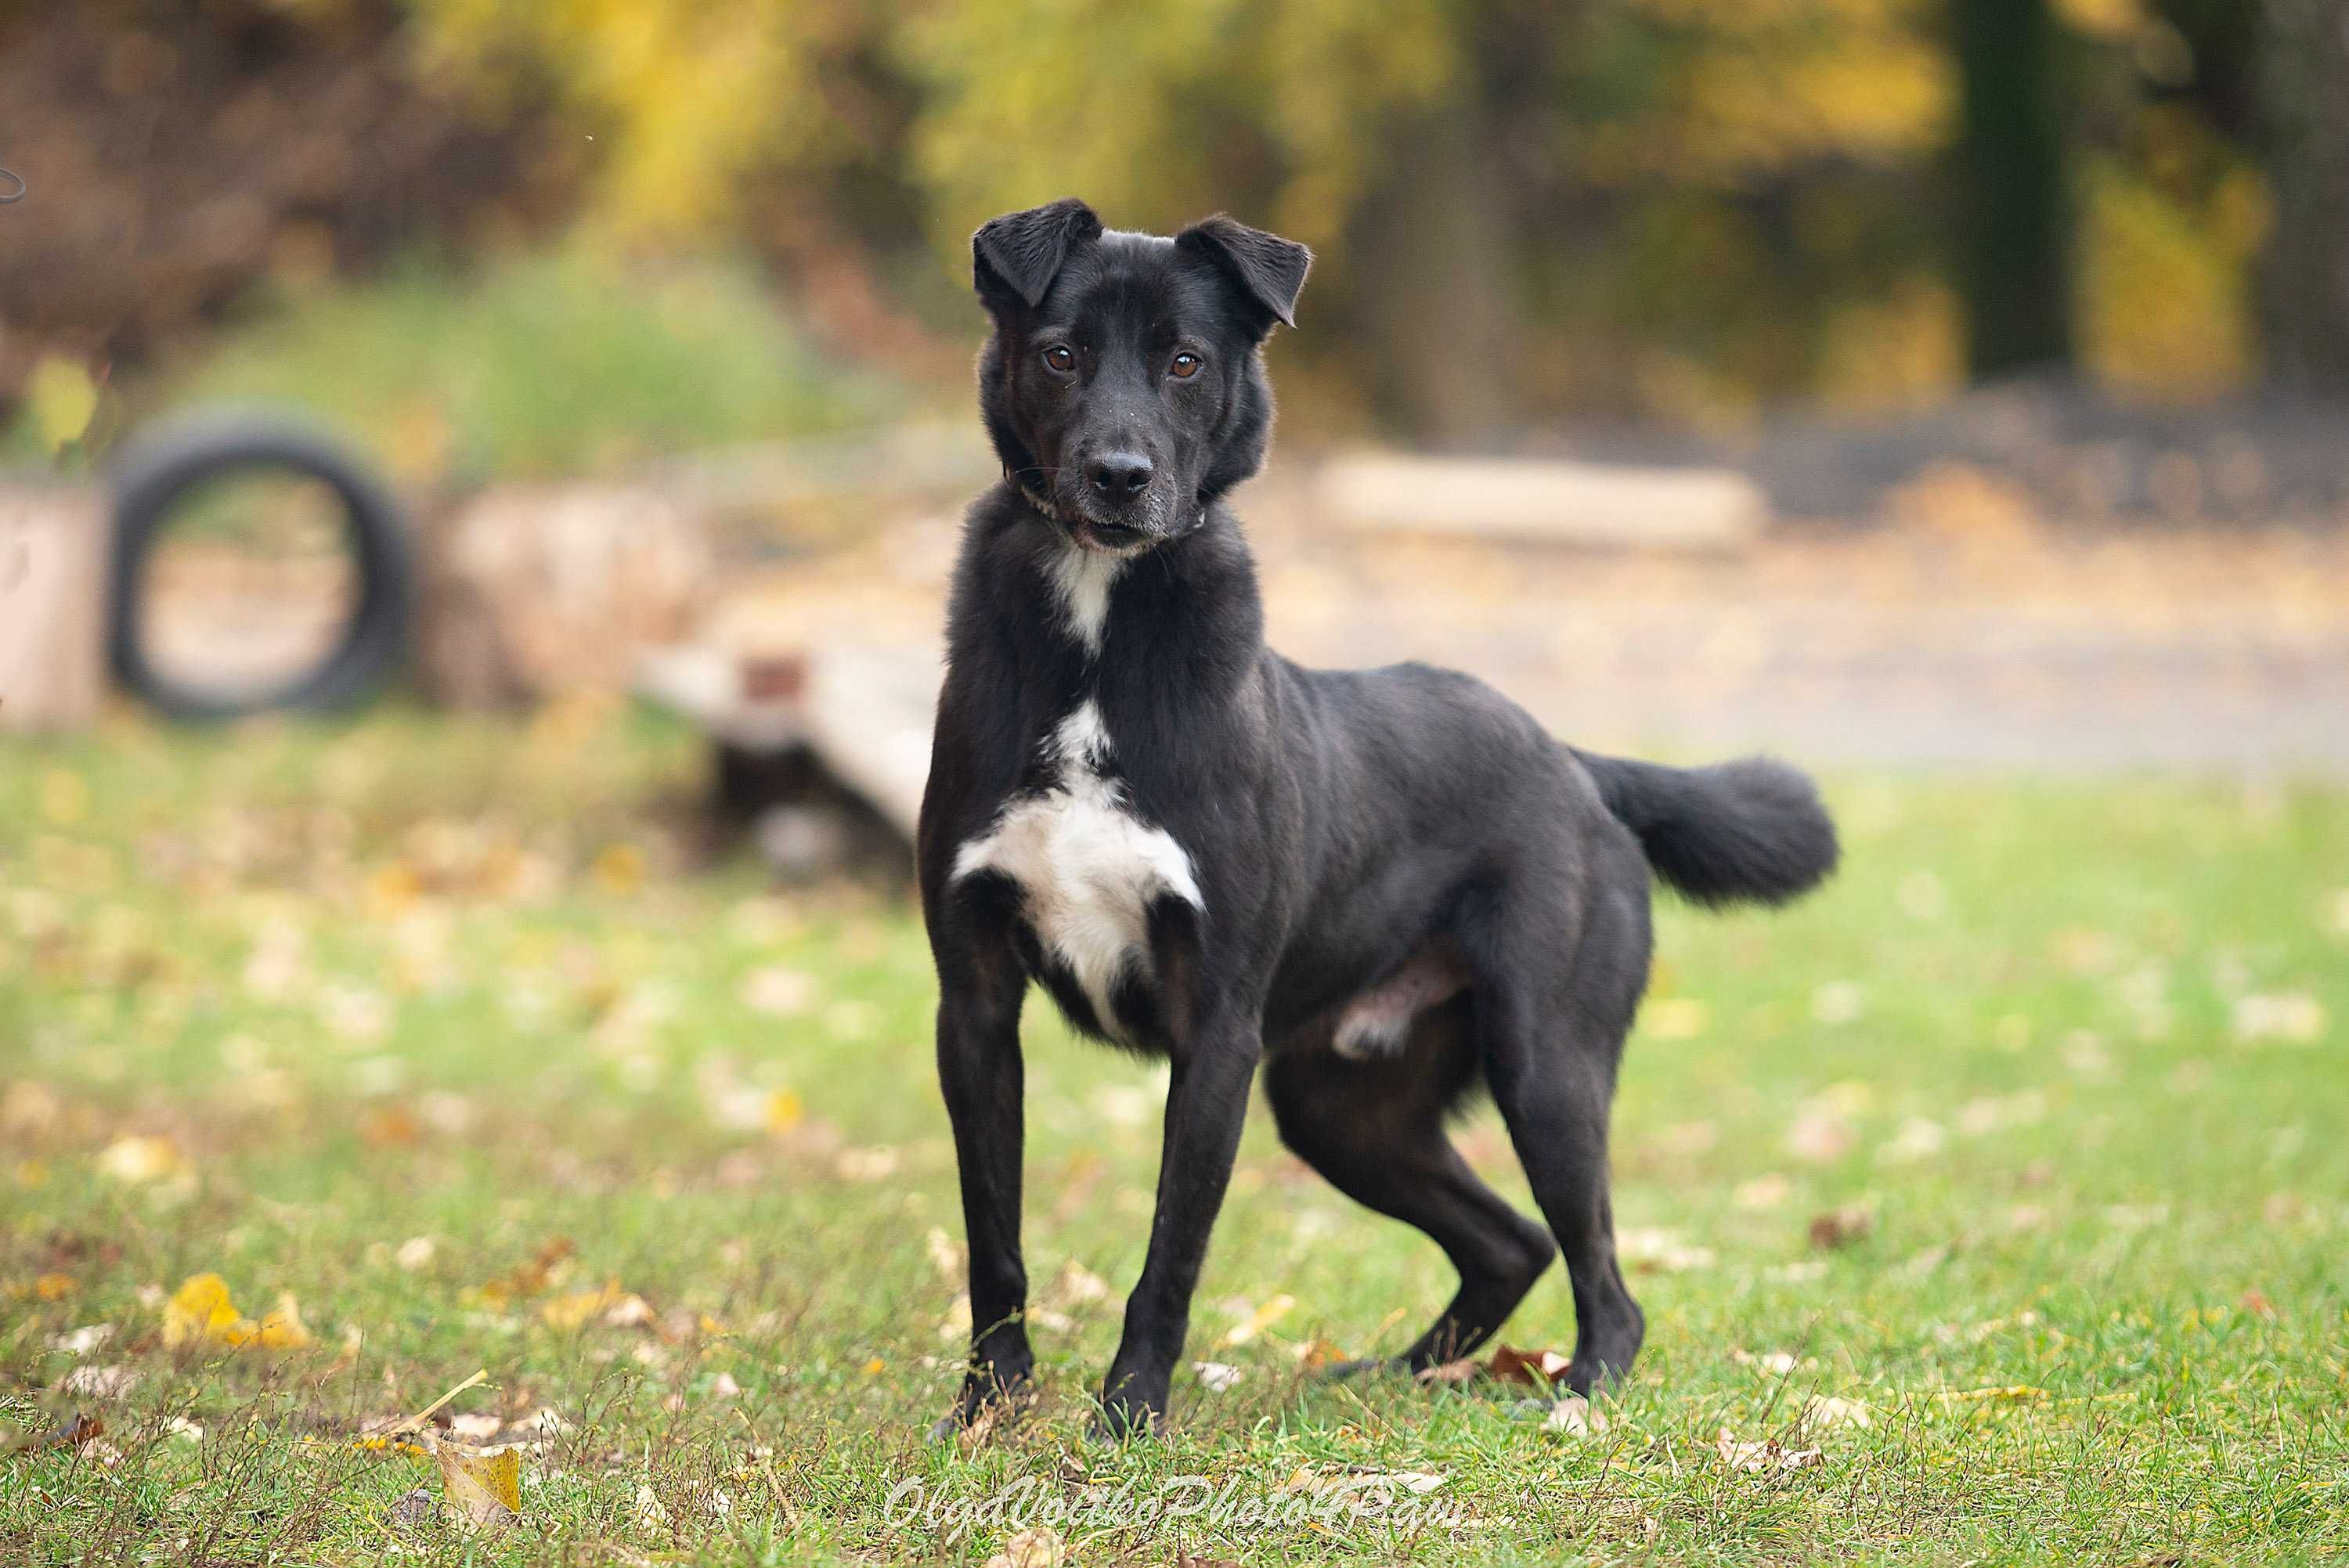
[(2009, 1175)]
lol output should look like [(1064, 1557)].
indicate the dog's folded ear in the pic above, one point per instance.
[(1015, 258), (1268, 269)]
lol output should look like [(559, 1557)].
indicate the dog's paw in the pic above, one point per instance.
[(987, 1400), (1125, 1415)]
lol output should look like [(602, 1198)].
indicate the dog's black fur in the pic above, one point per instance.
[(1400, 860)]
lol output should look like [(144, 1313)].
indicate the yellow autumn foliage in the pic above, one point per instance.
[(201, 1312)]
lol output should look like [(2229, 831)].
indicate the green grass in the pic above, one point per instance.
[(438, 979), (552, 364)]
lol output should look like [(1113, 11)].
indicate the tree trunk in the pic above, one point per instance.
[(2305, 115), (2016, 210), (1435, 277)]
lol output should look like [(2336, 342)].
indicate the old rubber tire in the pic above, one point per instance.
[(158, 469)]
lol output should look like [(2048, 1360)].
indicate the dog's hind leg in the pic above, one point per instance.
[(1375, 1129), (1549, 1034)]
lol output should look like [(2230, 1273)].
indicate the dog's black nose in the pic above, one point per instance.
[(1119, 475)]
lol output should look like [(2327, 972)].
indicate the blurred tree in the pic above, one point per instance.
[(2014, 207), (2303, 87), (1692, 208), (1472, 168)]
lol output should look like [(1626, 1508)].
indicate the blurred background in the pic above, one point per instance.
[(1948, 395), (1888, 380)]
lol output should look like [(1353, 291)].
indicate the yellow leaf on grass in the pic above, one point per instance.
[(568, 1313), (619, 868), (282, 1329), (478, 1487), (1262, 1319), (200, 1312), (137, 1159)]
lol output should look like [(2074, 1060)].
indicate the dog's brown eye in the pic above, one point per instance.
[(1060, 357), (1186, 365)]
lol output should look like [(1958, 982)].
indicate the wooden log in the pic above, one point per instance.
[(1543, 500), (53, 557), (536, 590)]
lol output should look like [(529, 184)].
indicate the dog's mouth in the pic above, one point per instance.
[(1094, 533)]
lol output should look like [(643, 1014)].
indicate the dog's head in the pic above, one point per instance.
[(1123, 386)]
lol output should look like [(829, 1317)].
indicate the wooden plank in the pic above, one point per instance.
[(52, 556), (1543, 501), (866, 712), (870, 712)]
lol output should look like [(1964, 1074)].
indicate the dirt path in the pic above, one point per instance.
[(1957, 639)]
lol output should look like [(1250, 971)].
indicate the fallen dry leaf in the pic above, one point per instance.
[(1574, 1417), (478, 1487), (1835, 1411), (391, 1126), (98, 1382), (1317, 1352), (1821, 1136), (1256, 1322), (1674, 1018), (1768, 1455), (141, 1159), (1217, 1377), (282, 1327), (1041, 1547), (1077, 1286), (1837, 1228), (572, 1312), (531, 1278), (201, 1311), (631, 1311), (1838, 1002), (82, 1341), (779, 991), (1538, 1368), (1777, 1363), (75, 1430), (2295, 1016), (875, 1164), (1650, 1248)]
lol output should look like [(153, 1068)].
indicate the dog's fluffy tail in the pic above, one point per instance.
[(1748, 831)]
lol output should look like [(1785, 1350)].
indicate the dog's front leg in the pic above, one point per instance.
[(1206, 1106), (980, 1070)]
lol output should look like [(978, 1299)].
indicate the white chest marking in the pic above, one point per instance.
[(1083, 578), (1088, 869)]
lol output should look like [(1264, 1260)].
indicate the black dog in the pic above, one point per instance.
[(1389, 884)]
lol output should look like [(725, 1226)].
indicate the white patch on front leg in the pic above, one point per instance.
[(1083, 578), (1088, 869)]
